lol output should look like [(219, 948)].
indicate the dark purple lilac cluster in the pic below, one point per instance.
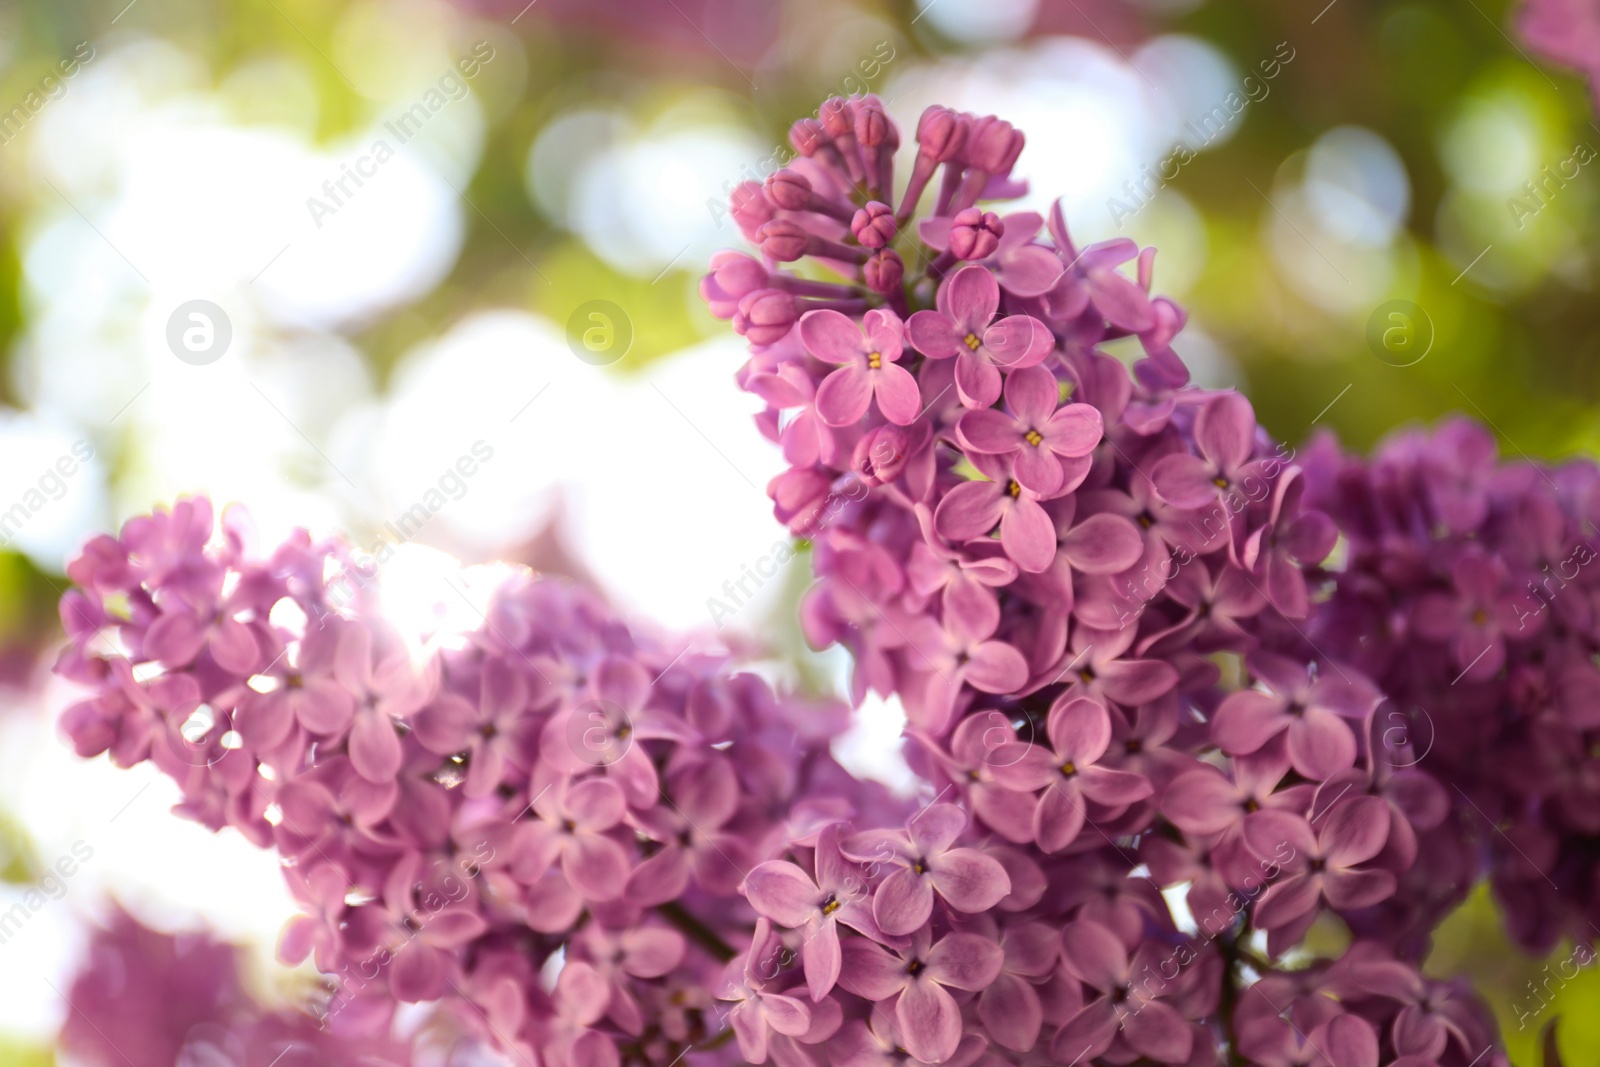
[(1469, 595)]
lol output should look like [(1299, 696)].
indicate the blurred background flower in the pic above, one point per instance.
[(325, 258)]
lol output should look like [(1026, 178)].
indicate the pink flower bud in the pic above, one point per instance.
[(737, 273), (806, 137), (873, 125), (766, 315), (797, 498), (975, 234), (789, 189), (881, 454), (749, 206), (941, 133), (874, 225), (993, 145), (783, 239), (885, 272), (838, 117)]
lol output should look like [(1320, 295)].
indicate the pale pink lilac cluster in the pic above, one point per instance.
[(1094, 591), (543, 822)]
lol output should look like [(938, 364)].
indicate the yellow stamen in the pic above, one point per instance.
[(972, 341), (874, 360), (1068, 769), (1014, 488), (1034, 438)]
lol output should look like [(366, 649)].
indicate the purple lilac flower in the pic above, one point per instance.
[(561, 792), (924, 866), (454, 817), (1042, 567)]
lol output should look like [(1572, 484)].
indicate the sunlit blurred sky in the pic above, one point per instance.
[(155, 181)]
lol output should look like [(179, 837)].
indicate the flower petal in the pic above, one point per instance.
[(1354, 831), (1320, 744), (1225, 431), (596, 866), (1059, 818), (996, 667), (831, 337), (844, 396), (1159, 1032), (977, 380), (1094, 955), (782, 892), (968, 880), (870, 971), (935, 335), (1079, 729), (930, 1021), (1184, 481), (1011, 1012), (899, 398), (970, 296), (964, 961), (375, 750), (822, 959), (1028, 535), (903, 902), (970, 510)]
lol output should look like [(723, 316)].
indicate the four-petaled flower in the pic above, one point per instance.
[(921, 976), (870, 367), (1050, 445), (1080, 732), (964, 326), (926, 864)]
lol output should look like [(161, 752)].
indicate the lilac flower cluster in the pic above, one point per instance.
[(1089, 589), (142, 998), (1470, 596), (543, 822), (1165, 728)]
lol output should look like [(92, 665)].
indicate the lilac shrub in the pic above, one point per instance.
[(1099, 594), (1153, 710)]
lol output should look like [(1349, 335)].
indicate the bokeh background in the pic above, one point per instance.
[(398, 217)]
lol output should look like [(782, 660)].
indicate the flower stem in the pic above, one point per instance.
[(697, 931)]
